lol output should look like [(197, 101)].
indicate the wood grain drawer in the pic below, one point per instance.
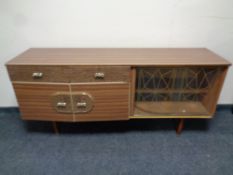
[(36, 101), (100, 74), (105, 102), (37, 73)]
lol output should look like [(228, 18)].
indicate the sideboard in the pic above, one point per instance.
[(103, 84)]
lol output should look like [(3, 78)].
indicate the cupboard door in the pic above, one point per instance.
[(100, 102), (51, 102)]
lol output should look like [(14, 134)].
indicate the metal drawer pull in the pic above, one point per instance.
[(81, 104), (99, 75), (37, 75), (61, 104)]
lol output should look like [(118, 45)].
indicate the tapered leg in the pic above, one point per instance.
[(180, 126), (55, 128)]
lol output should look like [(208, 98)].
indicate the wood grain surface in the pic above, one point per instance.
[(110, 101), (170, 110), (119, 56), (111, 73), (132, 90), (66, 74), (35, 101), (50, 73), (211, 99)]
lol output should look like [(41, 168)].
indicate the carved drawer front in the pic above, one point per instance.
[(99, 102), (100, 73), (44, 101), (36, 73)]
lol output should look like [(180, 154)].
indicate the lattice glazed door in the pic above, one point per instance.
[(174, 91)]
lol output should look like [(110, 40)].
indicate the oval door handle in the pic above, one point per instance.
[(37, 74), (81, 104), (99, 75), (61, 104)]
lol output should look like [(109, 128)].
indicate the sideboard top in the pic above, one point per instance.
[(118, 56)]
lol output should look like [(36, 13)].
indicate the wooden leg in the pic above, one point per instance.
[(55, 128), (180, 126)]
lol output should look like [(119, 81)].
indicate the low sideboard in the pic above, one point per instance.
[(106, 84)]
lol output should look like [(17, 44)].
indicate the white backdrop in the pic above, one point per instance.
[(114, 23)]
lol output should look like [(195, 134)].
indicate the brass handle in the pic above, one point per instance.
[(61, 104), (37, 74), (99, 75), (81, 104)]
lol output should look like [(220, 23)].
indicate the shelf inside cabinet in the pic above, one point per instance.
[(158, 91), (168, 108)]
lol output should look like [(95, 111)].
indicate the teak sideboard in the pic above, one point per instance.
[(103, 84)]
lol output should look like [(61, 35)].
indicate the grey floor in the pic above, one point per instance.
[(135, 147)]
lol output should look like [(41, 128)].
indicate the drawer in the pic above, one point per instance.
[(100, 102), (100, 74), (37, 73)]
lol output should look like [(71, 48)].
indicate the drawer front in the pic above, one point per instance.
[(100, 74), (101, 102), (44, 102), (34, 73)]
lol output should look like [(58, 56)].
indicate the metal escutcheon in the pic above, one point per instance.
[(83, 102), (61, 102)]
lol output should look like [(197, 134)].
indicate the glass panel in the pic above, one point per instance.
[(173, 91)]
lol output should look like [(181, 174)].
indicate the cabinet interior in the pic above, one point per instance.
[(175, 91)]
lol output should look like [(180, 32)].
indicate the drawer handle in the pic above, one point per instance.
[(37, 74), (99, 75), (61, 104), (81, 104)]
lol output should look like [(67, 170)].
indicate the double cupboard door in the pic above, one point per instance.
[(73, 101)]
